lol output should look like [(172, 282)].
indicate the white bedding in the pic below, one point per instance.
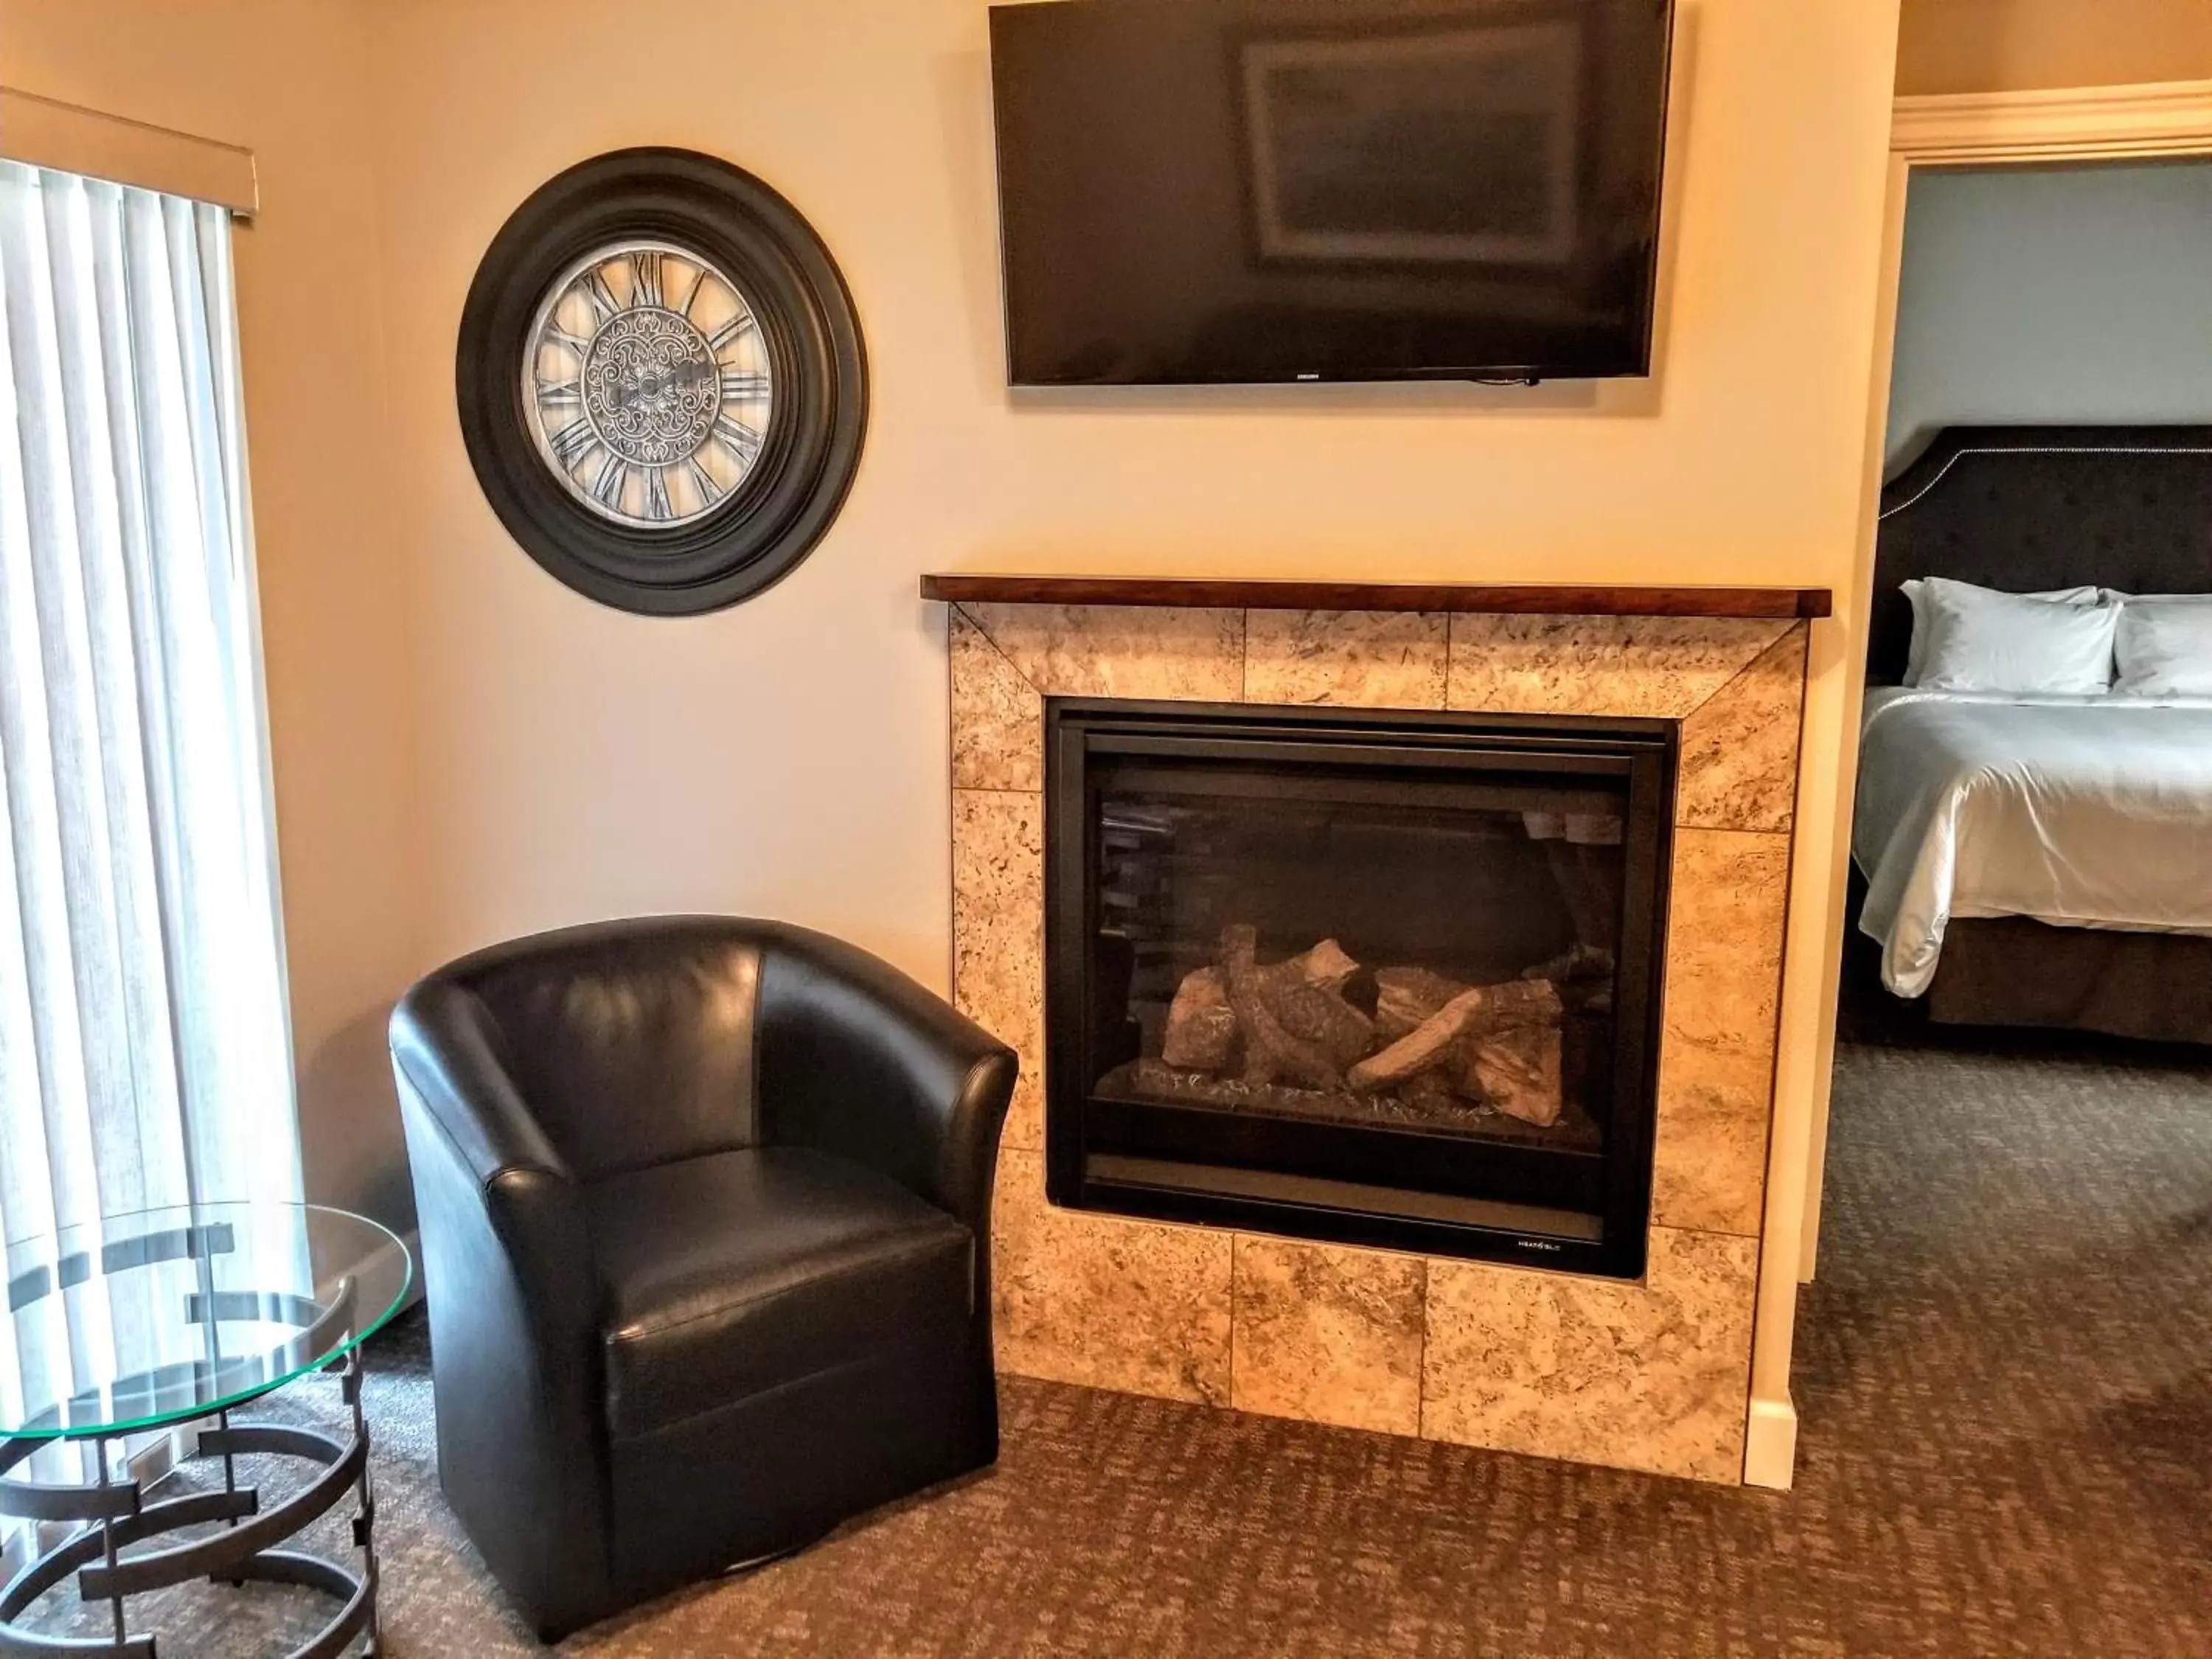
[(2090, 812)]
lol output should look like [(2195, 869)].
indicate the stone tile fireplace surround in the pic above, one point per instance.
[(1651, 1374)]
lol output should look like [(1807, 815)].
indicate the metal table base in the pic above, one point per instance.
[(118, 1514)]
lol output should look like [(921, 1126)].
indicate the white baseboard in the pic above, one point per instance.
[(1770, 1444)]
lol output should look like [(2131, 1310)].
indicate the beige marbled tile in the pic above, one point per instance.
[(1652, 1375), (1739, 765), (1726, 913), (998, 717), (1328, 1334), (1121, 650), (1105, 1302), (1662, 666), (998, 936), (1363, 659)]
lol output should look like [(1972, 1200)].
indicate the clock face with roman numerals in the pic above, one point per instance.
[(646, 384), (661, 381)]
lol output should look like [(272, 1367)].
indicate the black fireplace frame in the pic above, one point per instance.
[(1171, 1162)]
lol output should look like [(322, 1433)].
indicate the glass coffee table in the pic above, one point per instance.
[(122, 1329)]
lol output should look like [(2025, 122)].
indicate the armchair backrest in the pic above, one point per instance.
[(632, 1042)]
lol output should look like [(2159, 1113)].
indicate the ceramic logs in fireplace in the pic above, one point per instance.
[(1381, 978)]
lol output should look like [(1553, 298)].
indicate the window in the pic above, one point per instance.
[(144, 1051)]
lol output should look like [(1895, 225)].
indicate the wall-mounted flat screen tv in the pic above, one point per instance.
[(1248, 190)]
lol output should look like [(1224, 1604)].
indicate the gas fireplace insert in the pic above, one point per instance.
[(1376, 977)]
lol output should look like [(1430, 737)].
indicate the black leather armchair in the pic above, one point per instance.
[(705, 1210)]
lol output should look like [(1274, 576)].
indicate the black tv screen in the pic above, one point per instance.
[(1329, 189)]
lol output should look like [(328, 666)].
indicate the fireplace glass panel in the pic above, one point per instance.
[(1346, 953)]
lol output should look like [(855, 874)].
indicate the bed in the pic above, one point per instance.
[(2041, 861)]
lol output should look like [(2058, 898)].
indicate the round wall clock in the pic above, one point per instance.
[(661, 380)]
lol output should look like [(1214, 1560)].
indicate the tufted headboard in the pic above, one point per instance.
[(2026, 507)]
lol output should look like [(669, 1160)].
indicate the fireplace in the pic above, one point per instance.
[(1649, 1372), (1369, 977)]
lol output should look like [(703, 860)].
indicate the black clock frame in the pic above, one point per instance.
[(815, 351)]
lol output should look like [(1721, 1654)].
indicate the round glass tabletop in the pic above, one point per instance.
[(137, 1322)]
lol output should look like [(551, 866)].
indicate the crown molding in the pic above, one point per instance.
[(2165, 117), (44, 132)]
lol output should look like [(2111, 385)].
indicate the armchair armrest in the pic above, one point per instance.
[(445, 1046), (858, 1060), (513, 1297), (468, 1127)]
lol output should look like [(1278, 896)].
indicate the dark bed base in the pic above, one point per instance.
[(2014, 973), (2009, 970)]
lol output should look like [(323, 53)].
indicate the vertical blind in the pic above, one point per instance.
[(144, 1053)]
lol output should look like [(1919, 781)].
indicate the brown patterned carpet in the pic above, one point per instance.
[(2005, 1384)]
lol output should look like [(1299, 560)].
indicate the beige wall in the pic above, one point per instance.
[(788, 756), (2009, 45), (466, 750), (285, 77)]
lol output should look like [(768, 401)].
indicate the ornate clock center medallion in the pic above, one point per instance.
[(652, 387), (647, 385)]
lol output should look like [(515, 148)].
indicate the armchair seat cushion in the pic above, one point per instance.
[(725, 1275)]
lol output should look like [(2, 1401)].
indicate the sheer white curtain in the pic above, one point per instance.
[(144, 1050)]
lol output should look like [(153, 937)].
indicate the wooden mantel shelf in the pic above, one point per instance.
[(1262, 595)]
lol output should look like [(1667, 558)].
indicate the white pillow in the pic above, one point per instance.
[(2164, 647), (1981, 641), (1917, 592)]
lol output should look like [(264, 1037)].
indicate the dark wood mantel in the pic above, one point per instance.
[(1263, 595)]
